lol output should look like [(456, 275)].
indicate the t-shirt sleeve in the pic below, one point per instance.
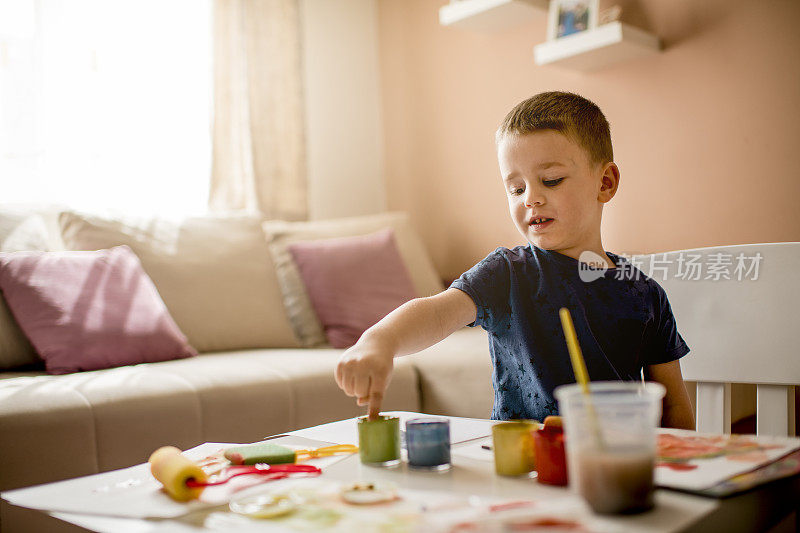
[(487, 283), (666, 344)]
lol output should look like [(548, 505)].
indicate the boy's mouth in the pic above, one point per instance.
[(540, 223)]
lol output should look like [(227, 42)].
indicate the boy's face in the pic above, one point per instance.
[(547, 175)]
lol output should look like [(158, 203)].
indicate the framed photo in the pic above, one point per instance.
[(567, 17)]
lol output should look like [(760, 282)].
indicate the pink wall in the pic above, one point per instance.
[(706, 134)]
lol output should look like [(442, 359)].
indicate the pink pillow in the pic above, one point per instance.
[(352, 282), (89, 310)]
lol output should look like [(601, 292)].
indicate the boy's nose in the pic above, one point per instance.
[(534, 198)]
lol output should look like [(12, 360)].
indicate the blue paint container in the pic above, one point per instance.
[(428, 443)]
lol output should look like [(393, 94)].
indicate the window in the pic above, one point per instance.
[(106, 103)]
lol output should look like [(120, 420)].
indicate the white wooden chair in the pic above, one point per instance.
[(743, 329)]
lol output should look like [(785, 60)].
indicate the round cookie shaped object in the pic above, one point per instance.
[(365, 493)]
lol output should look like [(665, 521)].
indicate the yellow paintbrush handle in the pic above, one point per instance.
[(578, 365)]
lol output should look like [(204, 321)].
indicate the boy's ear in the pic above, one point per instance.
[(609, 182)]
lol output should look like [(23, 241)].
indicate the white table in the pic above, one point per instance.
[(473, 474)]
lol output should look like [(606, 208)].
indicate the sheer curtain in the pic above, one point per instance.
[(258, 161), (106, 104)]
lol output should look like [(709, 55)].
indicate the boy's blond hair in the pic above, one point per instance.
[(567, 113)]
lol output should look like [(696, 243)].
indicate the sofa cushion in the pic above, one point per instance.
[(352, 282), (314, 396), (455, 375), (36, 412), (22, 231), (30, 227), (298, 306), (89, 310), (214, 274)]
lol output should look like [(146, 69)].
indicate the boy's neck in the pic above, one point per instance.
[(598, 254)]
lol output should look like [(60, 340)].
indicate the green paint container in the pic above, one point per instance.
[(379, 440)]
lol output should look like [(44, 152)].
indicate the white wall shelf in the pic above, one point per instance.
[(597, 48), (491, 15)]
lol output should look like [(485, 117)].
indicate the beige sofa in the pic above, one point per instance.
[(224, 284)]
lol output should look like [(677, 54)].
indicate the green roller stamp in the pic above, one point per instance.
[(263, 452), (379, 440)]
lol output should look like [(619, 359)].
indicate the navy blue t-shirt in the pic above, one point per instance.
[(623, 321)]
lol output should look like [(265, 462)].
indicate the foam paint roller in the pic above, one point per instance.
[(265, 452), (169, 466)]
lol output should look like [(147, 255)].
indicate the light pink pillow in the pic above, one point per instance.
[(352, 282), (89, 310)]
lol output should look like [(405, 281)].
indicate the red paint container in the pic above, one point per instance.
[(551, 459)]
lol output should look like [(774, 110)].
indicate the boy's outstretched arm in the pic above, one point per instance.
[(677, 408), (364, 370)]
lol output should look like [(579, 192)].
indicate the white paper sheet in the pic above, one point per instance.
[(414, 510), (703, 473), (474, 450), (133, 492)]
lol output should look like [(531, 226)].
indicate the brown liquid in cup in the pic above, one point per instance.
[(616, 482)]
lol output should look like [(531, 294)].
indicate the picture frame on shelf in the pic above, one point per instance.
[(568, 17)]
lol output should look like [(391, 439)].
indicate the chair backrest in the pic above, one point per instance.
[(737, 309)]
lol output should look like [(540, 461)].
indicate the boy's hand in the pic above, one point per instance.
[(364, 371)]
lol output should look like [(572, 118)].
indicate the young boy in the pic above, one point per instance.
[(556, 163)]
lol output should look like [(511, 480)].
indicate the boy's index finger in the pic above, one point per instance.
[(374, 407)]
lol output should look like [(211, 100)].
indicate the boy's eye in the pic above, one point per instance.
[(516, 191), (552, 183)]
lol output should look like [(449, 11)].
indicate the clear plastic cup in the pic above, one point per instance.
[(611, 443)]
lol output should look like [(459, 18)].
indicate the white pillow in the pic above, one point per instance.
[(301, 314), (214, 273)]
